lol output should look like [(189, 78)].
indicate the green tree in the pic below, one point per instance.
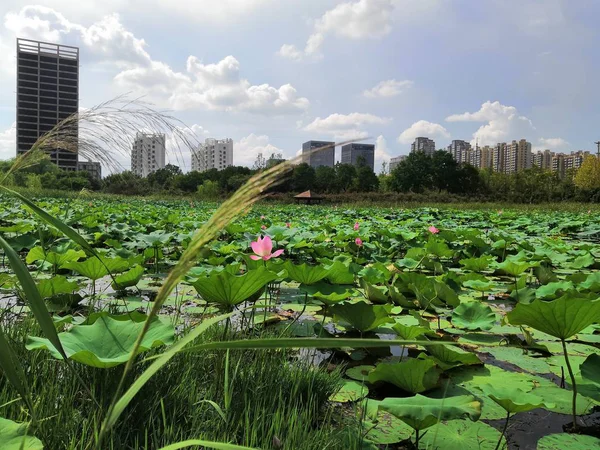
[(325, 179), (209, 190), (303, 177), (344, 176), (444, 171), (366, 180), (162, 177), (125, 183), (588, 175), (413, 174)]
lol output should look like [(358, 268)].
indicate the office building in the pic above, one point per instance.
[(395, 161), (148, 153), (92, 167), (324, 157), (354, 153), (47, 93), (213, 154), (423, 144), (460, 151)]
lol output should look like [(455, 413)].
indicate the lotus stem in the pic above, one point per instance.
[(573, 383), (503, 434)]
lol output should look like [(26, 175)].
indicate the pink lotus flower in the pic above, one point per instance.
[(358, 242), (263, 247), (433, 230), (288, 224), (500, 212), (263, 227), (356, 226), (589, 210), (262, 217)]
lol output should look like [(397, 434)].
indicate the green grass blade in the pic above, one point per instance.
[(14, 372), (32, 296), (278, 343), (160, 361), (207, 444)]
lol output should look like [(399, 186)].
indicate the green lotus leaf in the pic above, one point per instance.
[(129, 278), (386, 429), (461, 435), (91, 268), (478, 285), (375, 294), (55, 286), (477, 264), (519, 357), (339, 273), (513, 268), (562, 441), (155, 239), (473, 316), (304, 273), (361, 316), (414, 375), (350, 391), (54, 258), (227, 289), (561, 318), (446, 356), (13, 436), (421, 412), (328, 293), (581, 262), (513, 399), (591, 283), (438, 248), (590, 369), (359, 373), (107, 342), (553, 290), (411, 332)]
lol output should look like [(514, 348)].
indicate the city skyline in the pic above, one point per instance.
[(443, 86)]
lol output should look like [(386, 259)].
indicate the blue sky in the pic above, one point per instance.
[(273, 74)]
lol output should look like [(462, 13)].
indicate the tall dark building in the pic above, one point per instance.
[(351, 153), (47, 92), (325, 157)]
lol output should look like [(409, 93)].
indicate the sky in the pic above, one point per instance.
[(271, 74)]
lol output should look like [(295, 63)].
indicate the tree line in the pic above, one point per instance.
[(418, 173)]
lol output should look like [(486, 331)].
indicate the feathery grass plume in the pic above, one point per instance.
[(239, 203), (105, 133)]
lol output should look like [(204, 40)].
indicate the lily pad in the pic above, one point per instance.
[(513, 399), (107, 342), (359, 373), (561, 441), (414, 375), (473, 316), (590, 369), (350, 391), (13, 436), (461, 435), (362, 316)]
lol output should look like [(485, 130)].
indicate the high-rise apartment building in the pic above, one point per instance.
[(517, 156), (542, 159), (423, 144), (148, 153), (324, 157), (213, 154), (47, 93), (499, 157), (396, 160), (92, 167), (352, 154), (487, 157), (460, 151)]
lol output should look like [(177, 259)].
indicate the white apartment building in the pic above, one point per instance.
[(213, 154), (148, 153), (396, 160)]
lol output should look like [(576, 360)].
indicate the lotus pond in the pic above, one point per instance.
[(300, 328)]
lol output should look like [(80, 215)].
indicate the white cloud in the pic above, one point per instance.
[(210, 10), (357, 20), (8, 142), (423, 128), (388, 88), (504, 123), (106, 40), (217, 86), (345, 126), (552, 144), (248, 148)]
